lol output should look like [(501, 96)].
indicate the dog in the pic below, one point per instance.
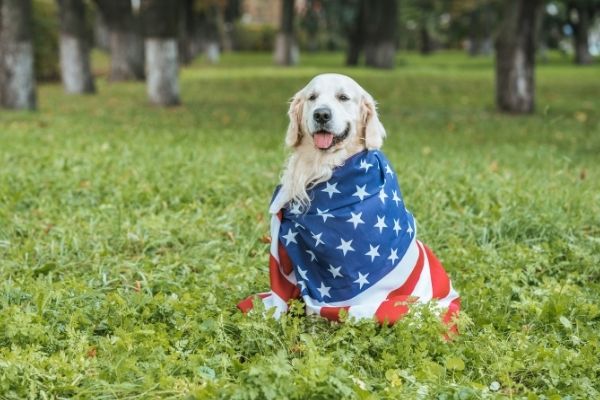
[(342, 239)]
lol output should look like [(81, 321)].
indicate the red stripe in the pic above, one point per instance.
[(248, 303), (453, 310), (440, 283), (391, 310), (332, 313), (279, 283), (284, 259)]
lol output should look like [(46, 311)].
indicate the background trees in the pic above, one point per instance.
[(370, 32)]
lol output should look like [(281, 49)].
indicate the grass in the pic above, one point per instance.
[(128, 233)]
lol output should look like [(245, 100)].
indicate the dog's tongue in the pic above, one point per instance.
[(323, 140)]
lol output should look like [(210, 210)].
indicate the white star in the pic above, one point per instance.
[(335, 271), (295, 209), (330, 189), (382, 195), (345, 246), (361, 192), (312, 255), (290, 237), (380, 223), (410, 230), (297, 225), (318, 239), (388, 170), (362, 279), (303, 284), (356, 219), (324, 290), (364, 165), (397, 227), (325, 214), (393, 255), (396, 199), (302, 273), (373, 252)]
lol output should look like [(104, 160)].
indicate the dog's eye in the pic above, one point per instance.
[(343, 97), (312, 97)]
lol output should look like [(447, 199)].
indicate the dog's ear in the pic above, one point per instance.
[(293, 137), (373, 130)]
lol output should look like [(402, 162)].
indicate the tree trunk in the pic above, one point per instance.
[(580, 18), (515, 57), (426, 42), (17, 79), (162, 64), (286, 49), (356, 33), (74, 50), (186, 32), (381, 19), (125, 40)]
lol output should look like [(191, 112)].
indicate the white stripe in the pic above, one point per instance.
[(274, 301), (379, 291), (275, 226), (366, 310), (423, 289)]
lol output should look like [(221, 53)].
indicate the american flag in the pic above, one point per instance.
[(355, 249)]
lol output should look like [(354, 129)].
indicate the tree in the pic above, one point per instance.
[(17, 80), (74, 48), (125, 40), (286, 49), (515, 56), (381, 24), (581, 16), (160, 19)]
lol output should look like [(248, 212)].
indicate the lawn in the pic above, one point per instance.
[(128, 233)]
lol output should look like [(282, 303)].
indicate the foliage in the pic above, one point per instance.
[(128, 233), (252, 37), (45, 40)]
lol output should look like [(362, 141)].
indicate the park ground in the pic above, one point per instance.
[(128, 233)]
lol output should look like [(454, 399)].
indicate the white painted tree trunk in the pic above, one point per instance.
[(126, 56), (286, 50), (18, 81), (162, 79), (212, 52), (75, 66)]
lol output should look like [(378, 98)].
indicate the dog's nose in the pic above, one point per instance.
[(322, 115)]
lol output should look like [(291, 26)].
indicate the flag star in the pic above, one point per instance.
[(397, 227), (330, 189), (325, 214), (303, 284), (410, 230), (382, 195), (388, 170), (356, 219), (290, 237), (362, 279), (312, 255), (395, 197), (345, 246), (324, 290), (361, 193), (302, 273), (373, 252), (393, 255), (380, 223), (318, 239), (335, 271), (295, 209), (365, 165), (297, 225)]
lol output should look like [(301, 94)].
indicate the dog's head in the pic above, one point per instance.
[(334, 112)]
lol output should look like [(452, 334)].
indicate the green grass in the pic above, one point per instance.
[(128, 233)]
